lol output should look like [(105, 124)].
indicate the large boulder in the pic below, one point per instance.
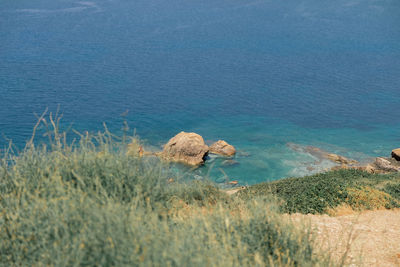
[(222, 148), (187, 148), (396, 154)]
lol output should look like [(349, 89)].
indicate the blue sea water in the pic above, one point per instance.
[(257, 73)]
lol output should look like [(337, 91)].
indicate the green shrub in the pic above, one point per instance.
[(393, 190), (324, 191)]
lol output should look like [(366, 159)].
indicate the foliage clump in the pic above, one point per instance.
[(323, 192), (393, 189), (368, 198)]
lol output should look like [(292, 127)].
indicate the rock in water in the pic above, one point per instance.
[(321, 154), (339, 159), (229, 162), (184, 147), (198, 177), (243, 154), (396, 154), (222, 148)]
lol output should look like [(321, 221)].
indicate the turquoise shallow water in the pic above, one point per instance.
[(259, 74)]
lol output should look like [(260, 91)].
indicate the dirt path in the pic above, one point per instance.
[(373, 237)]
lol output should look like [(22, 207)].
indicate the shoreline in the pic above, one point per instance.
[(322, 159)]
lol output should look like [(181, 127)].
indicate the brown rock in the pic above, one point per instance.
[(321, 154), (341, 167), (396, 154), (222, 148), (185, 147), (369, 168), (339, 159), (386, 165)]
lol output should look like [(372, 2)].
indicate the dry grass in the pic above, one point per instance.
[(97, 202), (342, 209), (368, 238)]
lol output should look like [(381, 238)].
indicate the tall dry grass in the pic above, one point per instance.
[(91, 202)]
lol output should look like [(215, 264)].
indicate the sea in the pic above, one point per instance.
[(260, 74)]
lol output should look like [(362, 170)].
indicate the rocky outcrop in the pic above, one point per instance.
[(379, 165), (396, 154), (322, 154), (222, 148), (187, 148), (385, 165), (370, 168), (339, 159)]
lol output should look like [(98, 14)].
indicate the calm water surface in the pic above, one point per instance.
[(256, 73)]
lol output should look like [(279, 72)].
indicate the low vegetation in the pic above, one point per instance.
[(96, 202), (324, 192)]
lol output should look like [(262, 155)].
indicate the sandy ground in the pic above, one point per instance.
[(371, 238)]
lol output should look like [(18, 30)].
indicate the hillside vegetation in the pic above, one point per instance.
[(326, 192), (98, 203)]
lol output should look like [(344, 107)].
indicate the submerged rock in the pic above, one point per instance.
[(243, 154), (322, 154), (187, 148), (377, 165), (229, 162), (222, 148), (221, 180), (396, 154), (198, 177)]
